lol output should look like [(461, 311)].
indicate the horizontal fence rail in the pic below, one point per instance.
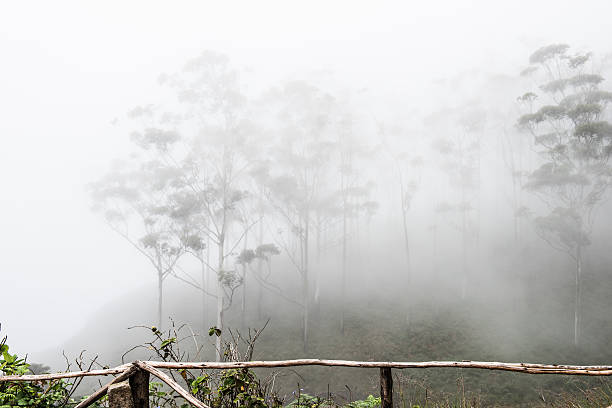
[(529, 368), (138, 373)]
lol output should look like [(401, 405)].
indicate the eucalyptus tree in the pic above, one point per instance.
[(513, 152), (408, 171), (134, 199), (201, 142), (156, 134), (516, 152), (460, 150), (354, 191), (263, 254), (259, 175), (215, 157), (301, 116), (574, 140), (327, 212), (406, 168)]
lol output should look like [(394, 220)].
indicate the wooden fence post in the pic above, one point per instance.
[(139, 383), (386, 388), (120, 395)]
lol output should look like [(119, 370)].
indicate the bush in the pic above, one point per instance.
[(42, 394)]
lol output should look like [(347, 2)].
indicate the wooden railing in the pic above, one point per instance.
[(132, 380)]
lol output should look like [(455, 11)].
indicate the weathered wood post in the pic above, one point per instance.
[(139, 383), (386, 388), (120, 395)]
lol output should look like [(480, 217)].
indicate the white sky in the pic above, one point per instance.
[(68, 68)]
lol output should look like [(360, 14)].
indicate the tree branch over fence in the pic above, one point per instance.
[(171, 383)]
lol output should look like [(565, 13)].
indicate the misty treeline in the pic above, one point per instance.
[(285, 191)]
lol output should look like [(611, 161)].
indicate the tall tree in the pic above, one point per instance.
[(201, 143), (135, 200), (302, 115), (575, 143), (460, 152), (353, 194), (214, 163), (408, 171)]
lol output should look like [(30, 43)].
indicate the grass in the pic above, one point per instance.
[(440, 329), (445, 334)]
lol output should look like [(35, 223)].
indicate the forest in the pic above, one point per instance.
[(277, 217)]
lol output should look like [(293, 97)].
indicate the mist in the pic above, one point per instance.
[(373, 180)]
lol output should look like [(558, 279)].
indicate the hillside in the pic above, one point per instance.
[(374, 330)]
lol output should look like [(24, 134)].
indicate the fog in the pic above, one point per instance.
[(414, 86)]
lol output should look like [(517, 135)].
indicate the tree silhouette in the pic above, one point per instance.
[(135, 199), (575, 143), (295, 184), (214, 160)]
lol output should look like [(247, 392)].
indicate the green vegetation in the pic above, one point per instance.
[(243, 388), (39, 394), (304, 400)]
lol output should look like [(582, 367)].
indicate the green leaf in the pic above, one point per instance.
[(214, 331), (167, 342)]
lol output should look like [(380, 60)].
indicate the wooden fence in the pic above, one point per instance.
[(130, 388)]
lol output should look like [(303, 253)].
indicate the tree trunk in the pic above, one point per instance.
[(305, 293), (305, 316), (220, 296), (408, 267), (204, 266), (344, 265), (407, 247), (259, 291), (160, 283), (219, 326), (159, 300), (404, 203), (244, 288), (317, 271), (577, 303), (259, 259), (464, 272), (516, 207)]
